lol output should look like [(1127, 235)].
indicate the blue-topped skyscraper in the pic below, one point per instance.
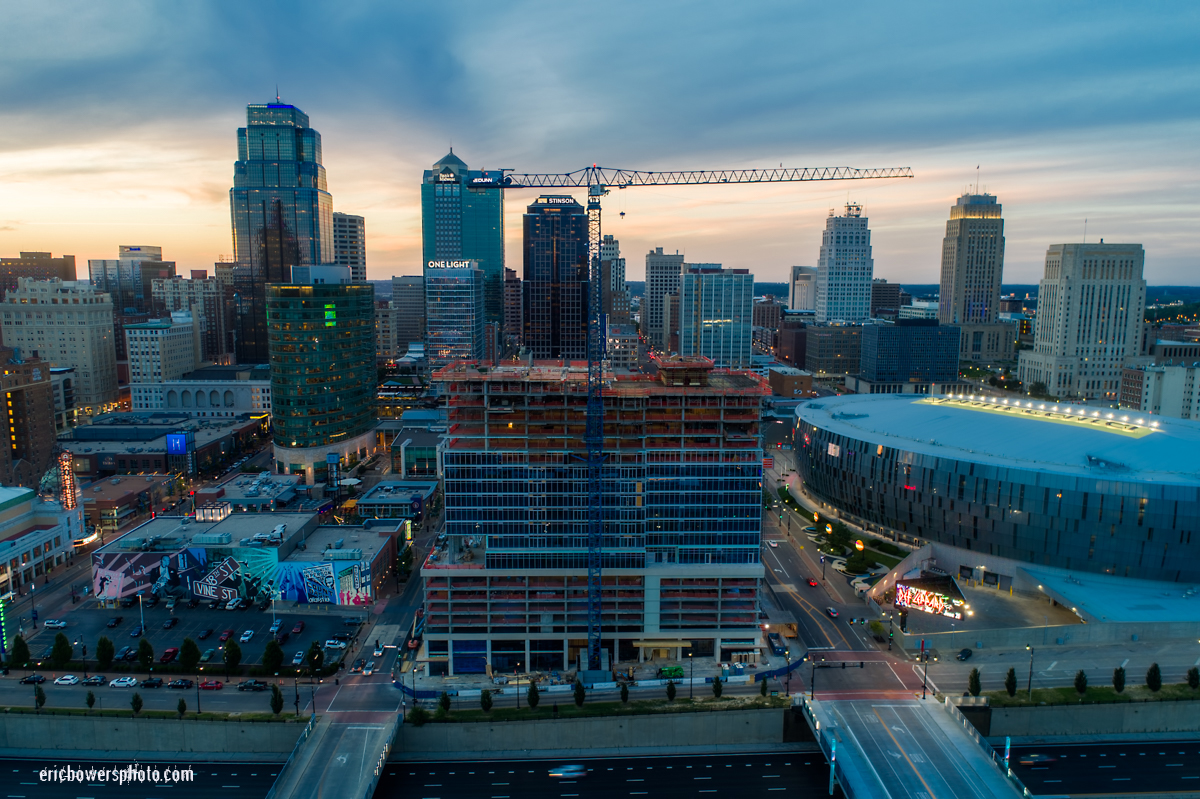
[(282, 214), (462, 219)]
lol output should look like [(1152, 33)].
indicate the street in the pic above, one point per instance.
[(231, 780), (1111, 768)]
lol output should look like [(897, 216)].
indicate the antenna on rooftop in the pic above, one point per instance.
[(977, 178), (277, 93), (1085, 230)]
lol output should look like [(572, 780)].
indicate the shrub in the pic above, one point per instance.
[(624, 692), (20, 652), (62, 651), (762, 688), (444, 702), (145, 654), (533, 696), (580, 693), (485, 701), (1119, 679), (136, 702), (90, 699), (1193, 678), (670, 690), (418, 716), (973, 682), (39, 697), (876, 627), (181, 708), (1080, 682), (105, 651), (276, 699), (1010, 682), (718, 687), (1154, 678)]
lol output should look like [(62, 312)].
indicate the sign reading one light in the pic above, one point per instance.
[(450, 264)]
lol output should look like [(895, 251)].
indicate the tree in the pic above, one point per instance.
[(670, 690), (718, 687), (485, 700), (580, 693), (418, 716), (62, 652), (533, 696), (39, 697), (233, 656), (624, 692), (316, 657), (272, 658), (1154, 678), (276, 699), (181, 708), (973, 682), (145, 654), (762, 689), (860, 563), (1119, 679), (136, 703), (444, 702), (20, 652), (1193, 678), (1080, 682), (189, 655), (104, 652), (1010, 682)]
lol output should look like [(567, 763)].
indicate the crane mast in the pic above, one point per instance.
[(598, 180)]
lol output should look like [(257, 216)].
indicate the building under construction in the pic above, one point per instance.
[(507, 586)]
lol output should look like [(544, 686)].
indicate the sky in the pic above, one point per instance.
[(118, 120)]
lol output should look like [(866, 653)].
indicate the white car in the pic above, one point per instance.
[(233, 604), (334, 643), (55, 624), (773, 544), (378, 653), (123, 682), (246, 636), (298, 659), (275, 625), (369, 669), (67, 679)]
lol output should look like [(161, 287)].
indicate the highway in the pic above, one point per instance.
[(1112, 768), (21, 780), (790, 774)]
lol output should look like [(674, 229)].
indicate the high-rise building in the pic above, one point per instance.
[(28, 398), (676, 576), (1165, 390), (128, 279), (385, 331), (832, 349), (885, 297), (205, 298), (670, 323), (350, 245), (768, 312), (803, 290), (612, 271), (1091, 301), (662, 278), (845, 269), (162, 349), (556, 278), (454, 300), (462, 219), (408, 309), (67, 324), (910, 356), (716, 308), (972, 261), (513, 307), (282, 214), (322, 351), (37, 265)]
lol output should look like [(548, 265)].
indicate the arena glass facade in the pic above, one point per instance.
[(1059, 507)]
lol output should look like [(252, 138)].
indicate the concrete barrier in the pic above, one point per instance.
[(1109, 719), (711, 731), (1059, 635), (22, 731)]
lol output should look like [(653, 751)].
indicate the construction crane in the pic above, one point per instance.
[(598, 180)]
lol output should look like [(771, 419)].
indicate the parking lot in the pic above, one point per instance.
[(86, 625)]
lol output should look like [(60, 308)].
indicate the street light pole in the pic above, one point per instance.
[(1030, 648), (199, 678), (142, 612), (692, 675)]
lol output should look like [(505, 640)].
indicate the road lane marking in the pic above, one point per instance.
[(1124, 662), (906, 757), (1053, 663)]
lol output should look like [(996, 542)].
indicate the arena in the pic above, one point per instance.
[(1064, 486)]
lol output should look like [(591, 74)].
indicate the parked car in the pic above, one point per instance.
[(298, 658), (233, 604), (152, 682), (127, 602), (122, 653), (123, 682), (180, 684), (67, 679), (137, 631), (171, 622), (33, 679), (351, 622), (113, 622), (54, 624), (342, 637), (47, 653), (282, 637), (246, 636), (252, 685), (208, 655), (358, 666), (964, 654), (95, 679), (299, 628), (211, 685), (214, 604), (369, 669), (150, 601), (275, 625), (244, 604), (334, 643), (225, 635), (131, 655), (193, 603), (169, 654), (171, 602), (205, 633)]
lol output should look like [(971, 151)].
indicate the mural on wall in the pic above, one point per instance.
[(354, 584), (120, 574), (222, 583)]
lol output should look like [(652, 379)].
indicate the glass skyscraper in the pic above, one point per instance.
[(282, 214), (556, 278), (454, 292), (716, 308), (462, 219)]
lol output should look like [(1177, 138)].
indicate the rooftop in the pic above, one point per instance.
[(122, 485), (1104, 597), (1041, 436), (259, 488), (399, 491), (239, 372), (676, 374), (368, 539), (172, 533)]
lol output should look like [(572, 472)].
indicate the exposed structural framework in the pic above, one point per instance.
[(598, 181)]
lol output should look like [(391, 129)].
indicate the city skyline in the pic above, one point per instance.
[(1102, 138)]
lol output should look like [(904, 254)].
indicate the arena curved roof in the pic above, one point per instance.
[(1041, 436)]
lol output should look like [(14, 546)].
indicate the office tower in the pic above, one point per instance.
[(885, 297), (513, 307), (677, 575), (68, 323), (62, 384), (910, 356), (1165, 390), (350, 245), (37, 265), (845, 269), (832, 349), (408, 308), (205, 298), (670, 323), (454, 312), (621, 346), (612, 272), (282, 214), (162, 349), (322, 356), (791, 341), (385, 330), (28, 398), (803, 290), (1091, 301), (768, 312), (715, 314), (128, 279), (662, 278), (556, 278), (972, 261), (462, 219)]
